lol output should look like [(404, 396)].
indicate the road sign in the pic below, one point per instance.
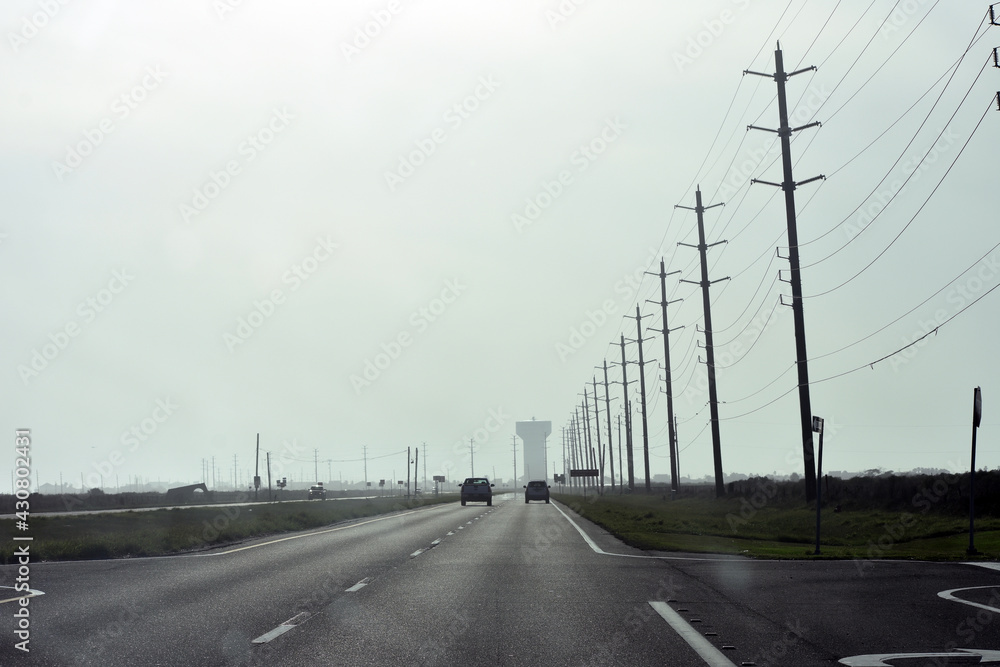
[(817, 424), (381, 482), (977, 408), (584, 472), (438, 478)]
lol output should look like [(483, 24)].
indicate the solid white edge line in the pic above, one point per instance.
[(948, 595), (704, 648), (601, 551)]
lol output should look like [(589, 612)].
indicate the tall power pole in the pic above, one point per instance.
[(607, 412), (642, 397), (586, 422), (597, 430), (713, 398), (795, 278), (628, 448), (671, 434)]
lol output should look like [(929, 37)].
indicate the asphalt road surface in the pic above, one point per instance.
[(512, 584)]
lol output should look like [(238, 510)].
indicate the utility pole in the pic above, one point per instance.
[(564, 456), (425, 465), (269, 496), (621, 483), (713, 398), (513, 440), (607, 412), (795, 277), (671, 434), (628, 448), (586, 422), (364, 449), (472, 459), (316, 463), (256, 470), (581, 446), (642, 397), (597, 429)]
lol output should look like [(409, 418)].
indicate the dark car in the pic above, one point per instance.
[(317, 491), (536, 490), (477, 489)]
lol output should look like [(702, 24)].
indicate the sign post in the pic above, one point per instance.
[(818, 428), (977, 415), (584, 472)]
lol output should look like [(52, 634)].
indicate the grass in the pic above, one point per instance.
[(778, 529), (170, 531)]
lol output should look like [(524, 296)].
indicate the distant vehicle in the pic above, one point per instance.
[(477, 489), (317, 491), (536, 490)]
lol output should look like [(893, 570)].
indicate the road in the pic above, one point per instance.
[(512, 584)]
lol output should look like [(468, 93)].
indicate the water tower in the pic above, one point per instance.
[(534, 435)]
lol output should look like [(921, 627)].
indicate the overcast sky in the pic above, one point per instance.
[(391, 223)]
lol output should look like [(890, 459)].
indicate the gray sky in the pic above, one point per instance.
[(391, 223)]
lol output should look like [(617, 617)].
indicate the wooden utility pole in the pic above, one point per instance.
[(607, 412), (597, 430), (642, 398), (713, 398), (628, 448), (795, 277), (671, 434)]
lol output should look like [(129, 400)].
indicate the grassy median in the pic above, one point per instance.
[(170, 531), (771, 528)]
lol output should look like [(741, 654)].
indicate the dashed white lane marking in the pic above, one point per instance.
[(417, 553), (949, 595), (317, 532), (436, 542), (451, 532), (30, 593), (281, 629), (704, 648), (358, 586)]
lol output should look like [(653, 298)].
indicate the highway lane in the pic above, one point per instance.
[(514, 584)]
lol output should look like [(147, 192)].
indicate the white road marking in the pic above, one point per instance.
[(417, 553), (281, 629), (988, 566), (601, 551), (879, 659), (712, 656), (358, 586), (949, 595), (30, 594), (318, 532), (436, 542)]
